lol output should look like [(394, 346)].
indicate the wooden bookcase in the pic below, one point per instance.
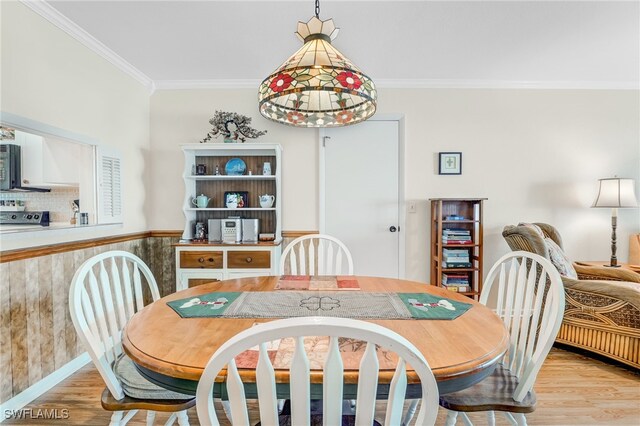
[(468, 213)]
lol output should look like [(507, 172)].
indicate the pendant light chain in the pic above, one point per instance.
[(318, 9)]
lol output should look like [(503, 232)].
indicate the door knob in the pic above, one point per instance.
[(393, 229)]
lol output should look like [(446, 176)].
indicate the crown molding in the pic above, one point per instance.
[(45, 10), (42, 8), (416, 84), (505, 84), (207, 84)]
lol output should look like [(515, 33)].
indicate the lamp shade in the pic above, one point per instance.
[(616, 193), (317, 86)]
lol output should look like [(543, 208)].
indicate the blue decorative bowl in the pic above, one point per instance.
[(235, 167)]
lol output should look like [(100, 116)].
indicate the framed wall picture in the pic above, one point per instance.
[(450, 163), (236, 199)]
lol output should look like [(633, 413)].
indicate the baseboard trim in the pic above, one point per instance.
[(38, 389)]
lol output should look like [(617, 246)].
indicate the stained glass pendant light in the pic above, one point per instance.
[(317, 86)]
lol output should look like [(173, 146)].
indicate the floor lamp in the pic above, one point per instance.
[(615, 193)]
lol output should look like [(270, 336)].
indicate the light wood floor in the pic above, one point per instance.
[(572, 389)]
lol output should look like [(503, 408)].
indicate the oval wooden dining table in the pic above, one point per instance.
[(172, 351)]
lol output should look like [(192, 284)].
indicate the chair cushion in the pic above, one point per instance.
[(136, 386), (493, 393), (560, 260)]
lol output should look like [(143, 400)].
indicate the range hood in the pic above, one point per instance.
[(10, 170)]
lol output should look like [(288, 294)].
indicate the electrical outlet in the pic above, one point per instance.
[(412, 207)]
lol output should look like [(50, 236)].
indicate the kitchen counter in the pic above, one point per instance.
[(54, 226), (7, 229)]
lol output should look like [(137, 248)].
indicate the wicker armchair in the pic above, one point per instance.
[(602, 313)]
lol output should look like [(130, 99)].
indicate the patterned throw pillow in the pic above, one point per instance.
[(534, 228), (560, 260)]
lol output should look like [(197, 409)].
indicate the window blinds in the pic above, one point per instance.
[(110, 197)]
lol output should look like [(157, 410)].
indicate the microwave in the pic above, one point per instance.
[(10, 172)]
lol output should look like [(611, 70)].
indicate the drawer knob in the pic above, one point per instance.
[(211, 260), (201, 260), (249, 260)]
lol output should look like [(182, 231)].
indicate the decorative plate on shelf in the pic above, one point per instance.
[(235, 167)]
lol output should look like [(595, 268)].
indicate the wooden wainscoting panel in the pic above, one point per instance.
[(142, 249), (168, 284), (46, 250), (45, 266), (61, 265), (33, 322), (36, 332), (78, 258), (115, 241), (152, 258), (19, 340), (5, 334)]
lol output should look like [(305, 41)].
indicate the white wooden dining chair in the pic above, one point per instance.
[(105, 292), (316, 254), (299, 379), (529, 298)]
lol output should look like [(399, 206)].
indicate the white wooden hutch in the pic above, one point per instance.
[(204, 262)]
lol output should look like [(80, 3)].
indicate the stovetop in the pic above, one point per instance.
[(25, 218)]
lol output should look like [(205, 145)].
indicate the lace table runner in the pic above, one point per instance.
[(287, 304)]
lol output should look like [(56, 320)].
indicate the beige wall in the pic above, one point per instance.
[(50, 77), (181, 117), (535, 154)]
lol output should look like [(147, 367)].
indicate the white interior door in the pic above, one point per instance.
[(359, 193)]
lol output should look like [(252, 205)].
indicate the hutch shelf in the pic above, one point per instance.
[(456, 244), (202, 261)]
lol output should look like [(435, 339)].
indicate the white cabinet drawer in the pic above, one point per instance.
[(196, 276)]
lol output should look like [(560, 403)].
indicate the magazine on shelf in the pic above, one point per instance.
[(457, 288), (456, 265)]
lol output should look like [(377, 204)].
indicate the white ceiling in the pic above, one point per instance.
[(591, 43)]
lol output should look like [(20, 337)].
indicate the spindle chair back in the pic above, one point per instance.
[(105, 293), (316, 254), (528, 295), (299, 379), (530, 310)]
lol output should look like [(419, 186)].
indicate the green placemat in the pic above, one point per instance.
[(208, 305), (427, 306), (290, 304)]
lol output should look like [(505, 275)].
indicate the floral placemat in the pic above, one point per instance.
[(321, 283), (317, 348), (288, 304)]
